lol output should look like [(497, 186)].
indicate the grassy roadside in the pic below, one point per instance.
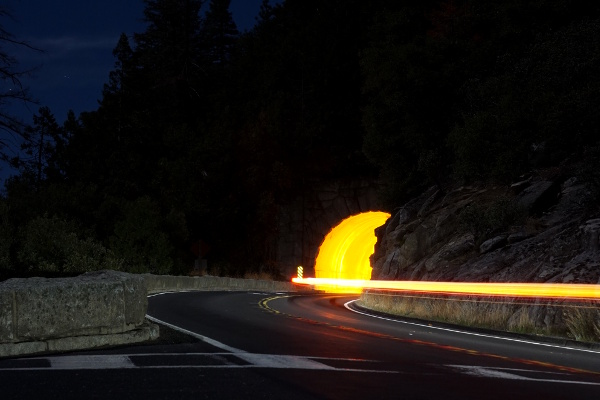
[(575, 321)]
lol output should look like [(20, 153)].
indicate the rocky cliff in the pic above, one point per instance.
[(544, 228)]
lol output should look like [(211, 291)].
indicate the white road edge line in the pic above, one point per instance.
[(206, 339), (555, 346)]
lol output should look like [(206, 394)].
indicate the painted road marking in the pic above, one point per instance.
[(186, 361), (91, 362), (512, 374), (279, 361), (205, 339)]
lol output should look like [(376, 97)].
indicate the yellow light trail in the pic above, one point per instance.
[(345, 251), (531, 290), (343, 266)]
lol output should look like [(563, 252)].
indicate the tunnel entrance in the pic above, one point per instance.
[(345, 252)]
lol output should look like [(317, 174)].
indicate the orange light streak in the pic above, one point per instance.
[(545, 290), (345, 251)]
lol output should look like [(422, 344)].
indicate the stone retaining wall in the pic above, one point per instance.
[(167, 283)]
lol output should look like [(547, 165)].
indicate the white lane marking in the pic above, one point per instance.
[(279, 361), (127, 361), (500, 373), (91, 362), (555, 346), (206, 339)]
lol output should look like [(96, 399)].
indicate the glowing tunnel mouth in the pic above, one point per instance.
[(343, 266), (345, 251)]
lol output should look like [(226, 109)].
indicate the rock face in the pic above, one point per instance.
[(534, 231), (553, 235)]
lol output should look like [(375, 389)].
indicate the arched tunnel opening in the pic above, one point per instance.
[(345, 251)]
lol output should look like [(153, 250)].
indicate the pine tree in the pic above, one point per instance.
[(169, 49), (266, 11), (41, 142), (220, 32), (120, 89)]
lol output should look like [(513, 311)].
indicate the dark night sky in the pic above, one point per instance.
[(77, 37)]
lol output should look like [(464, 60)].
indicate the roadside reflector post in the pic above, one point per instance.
[(300, 272)]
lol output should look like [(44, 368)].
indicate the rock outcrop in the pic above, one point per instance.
[(552, 235), (538, 230)]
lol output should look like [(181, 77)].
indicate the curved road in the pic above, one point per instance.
[(317, 346), (293, 346)]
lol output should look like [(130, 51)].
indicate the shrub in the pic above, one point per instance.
[(52, 244), (139, 238)]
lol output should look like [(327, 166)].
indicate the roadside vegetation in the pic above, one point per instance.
[(579, 322)]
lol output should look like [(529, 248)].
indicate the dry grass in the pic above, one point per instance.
[(581, 323), (462, 312)]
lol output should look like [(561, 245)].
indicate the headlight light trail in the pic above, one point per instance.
[(528, 290)]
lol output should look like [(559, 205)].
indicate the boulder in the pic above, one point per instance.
[(492, 244), (538, 197)]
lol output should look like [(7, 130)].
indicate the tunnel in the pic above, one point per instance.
[(345, 251)]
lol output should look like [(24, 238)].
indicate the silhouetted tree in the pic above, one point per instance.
[(219, 33), (41, 141), (12, 90), (169, 54)]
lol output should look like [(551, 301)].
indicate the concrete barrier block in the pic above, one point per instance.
[(17, 349), (211, 281), (50, 308), (182, 282), (136, 301), (134, 288), (223, 283), (104, 302), (201, 282), (141, 334), (6, 315)]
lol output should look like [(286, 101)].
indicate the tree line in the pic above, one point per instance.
[(203, 133)]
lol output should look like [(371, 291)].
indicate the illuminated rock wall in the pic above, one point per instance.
[(553, 238), (304, 223)]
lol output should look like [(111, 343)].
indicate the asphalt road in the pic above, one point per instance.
[(266, 346)]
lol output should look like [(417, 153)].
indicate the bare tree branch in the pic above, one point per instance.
[(12, 91)]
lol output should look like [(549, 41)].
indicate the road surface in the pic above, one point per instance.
[(289, 346)]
